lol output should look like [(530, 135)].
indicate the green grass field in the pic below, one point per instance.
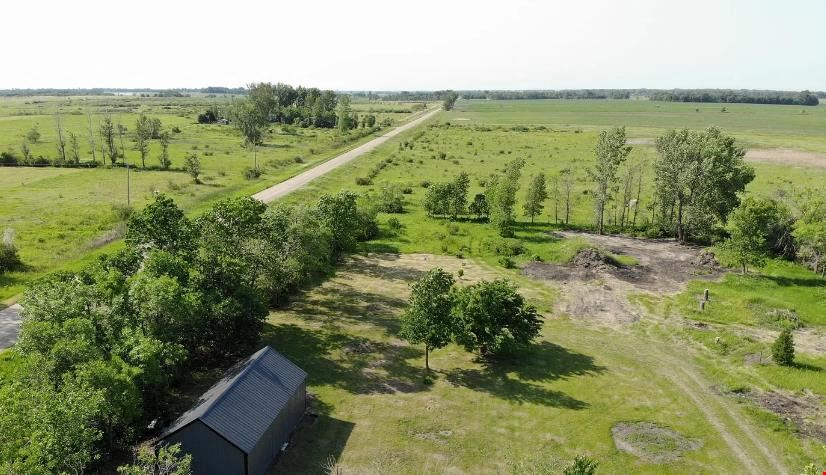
[(60, 215), (558, 399)]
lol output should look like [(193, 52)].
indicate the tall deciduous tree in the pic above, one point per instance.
[(143, 132), (107, 136), (61, 138), (343, 113), (535, 196), (428, 319), (698, 178), (164, 156), (810, 231), (501, 195), (611, 151), (748, 227), (251, 121), (162, 225)]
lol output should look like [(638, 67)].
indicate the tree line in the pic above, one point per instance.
[(101, 347), (745, 96)]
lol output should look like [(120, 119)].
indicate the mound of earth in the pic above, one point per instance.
[(590, 258), (651, 442)]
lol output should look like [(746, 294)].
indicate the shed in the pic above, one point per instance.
[(241, 423)]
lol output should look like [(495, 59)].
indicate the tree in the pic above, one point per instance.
[(340, 215), (164, 156), (74, 148), (458, 194), (566, 180), (343, 113), (9, 258), (161, 225), (492, 316), (143, 132), (479, 206), (449, 100), (61, 139), (810, 231), (611, 151), (748, 227), (26, 151), (783, 348), (33, 135), (501, 195), (168, 460), (535, 196), (192, 165), (428, 317), (250, 119), (698, 176), (437, 199), (91, 133), (107, 135)]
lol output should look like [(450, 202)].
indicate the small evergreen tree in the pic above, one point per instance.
[(783, 348)]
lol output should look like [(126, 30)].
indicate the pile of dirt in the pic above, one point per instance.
[(590, 258), (706, 259), (651, 442)]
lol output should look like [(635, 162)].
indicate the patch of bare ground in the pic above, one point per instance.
[(595, 288), (804, 412), (787, 156), (651, 442), (641, 141)]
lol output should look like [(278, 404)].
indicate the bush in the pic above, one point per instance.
[(9, 260), (507, 262), (581, 465), (506, 233), (407, 190), (425, 184), (8, 159), (363, 181), (394, 224), (251, 173), (122, 211), (391, 200), (783, 348), (503, 246)]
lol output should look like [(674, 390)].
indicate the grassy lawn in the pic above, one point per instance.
[(559, 398)]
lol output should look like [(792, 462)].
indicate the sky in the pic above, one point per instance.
[(415, 45)]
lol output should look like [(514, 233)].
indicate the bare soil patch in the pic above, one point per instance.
[(803, 412), (641, 141), (787, 156), (651, 442), (596, 288)]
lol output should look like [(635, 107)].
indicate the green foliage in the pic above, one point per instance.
[(167, 460), (501, 194), (783, 348), (479, 206), (163, 158), (748, 228), (535, 196), (340, 215), (492, 317), (162, 225), (192, 165), (428, 318), (581, 465), (698, 178), (449, 100), (611, 151), (810, 231), (9, 258), (391, 199)]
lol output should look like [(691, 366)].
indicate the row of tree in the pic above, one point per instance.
[(100, 348), (747, 96)]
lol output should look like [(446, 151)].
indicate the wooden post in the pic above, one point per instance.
[(705, 295), (702, 305)]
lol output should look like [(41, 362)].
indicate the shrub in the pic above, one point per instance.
[(251, 173), (9, 260), (391, 200), (503, 246), (407, 190), (581, 465), (363, 181), (8, 159), (783, 348), (192, 165), (122, 211), (425, 184), (394, 224), (176, 130), (507, 262), (506, 233)]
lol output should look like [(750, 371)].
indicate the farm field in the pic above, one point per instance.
[(706, 375), (60, 215)]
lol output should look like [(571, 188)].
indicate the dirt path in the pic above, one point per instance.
[(288, 186), (600, 295), (9, 325)]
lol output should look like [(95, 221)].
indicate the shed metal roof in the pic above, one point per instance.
[(244, 403)]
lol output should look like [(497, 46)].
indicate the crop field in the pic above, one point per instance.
[(707, 375), (59, 215)]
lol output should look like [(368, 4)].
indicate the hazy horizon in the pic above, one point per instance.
[(430, 45)]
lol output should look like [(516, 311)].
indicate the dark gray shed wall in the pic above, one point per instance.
[(269, 446), (211, 453)]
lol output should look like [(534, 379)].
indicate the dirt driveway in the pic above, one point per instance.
[(600, 292), (9, 325)]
